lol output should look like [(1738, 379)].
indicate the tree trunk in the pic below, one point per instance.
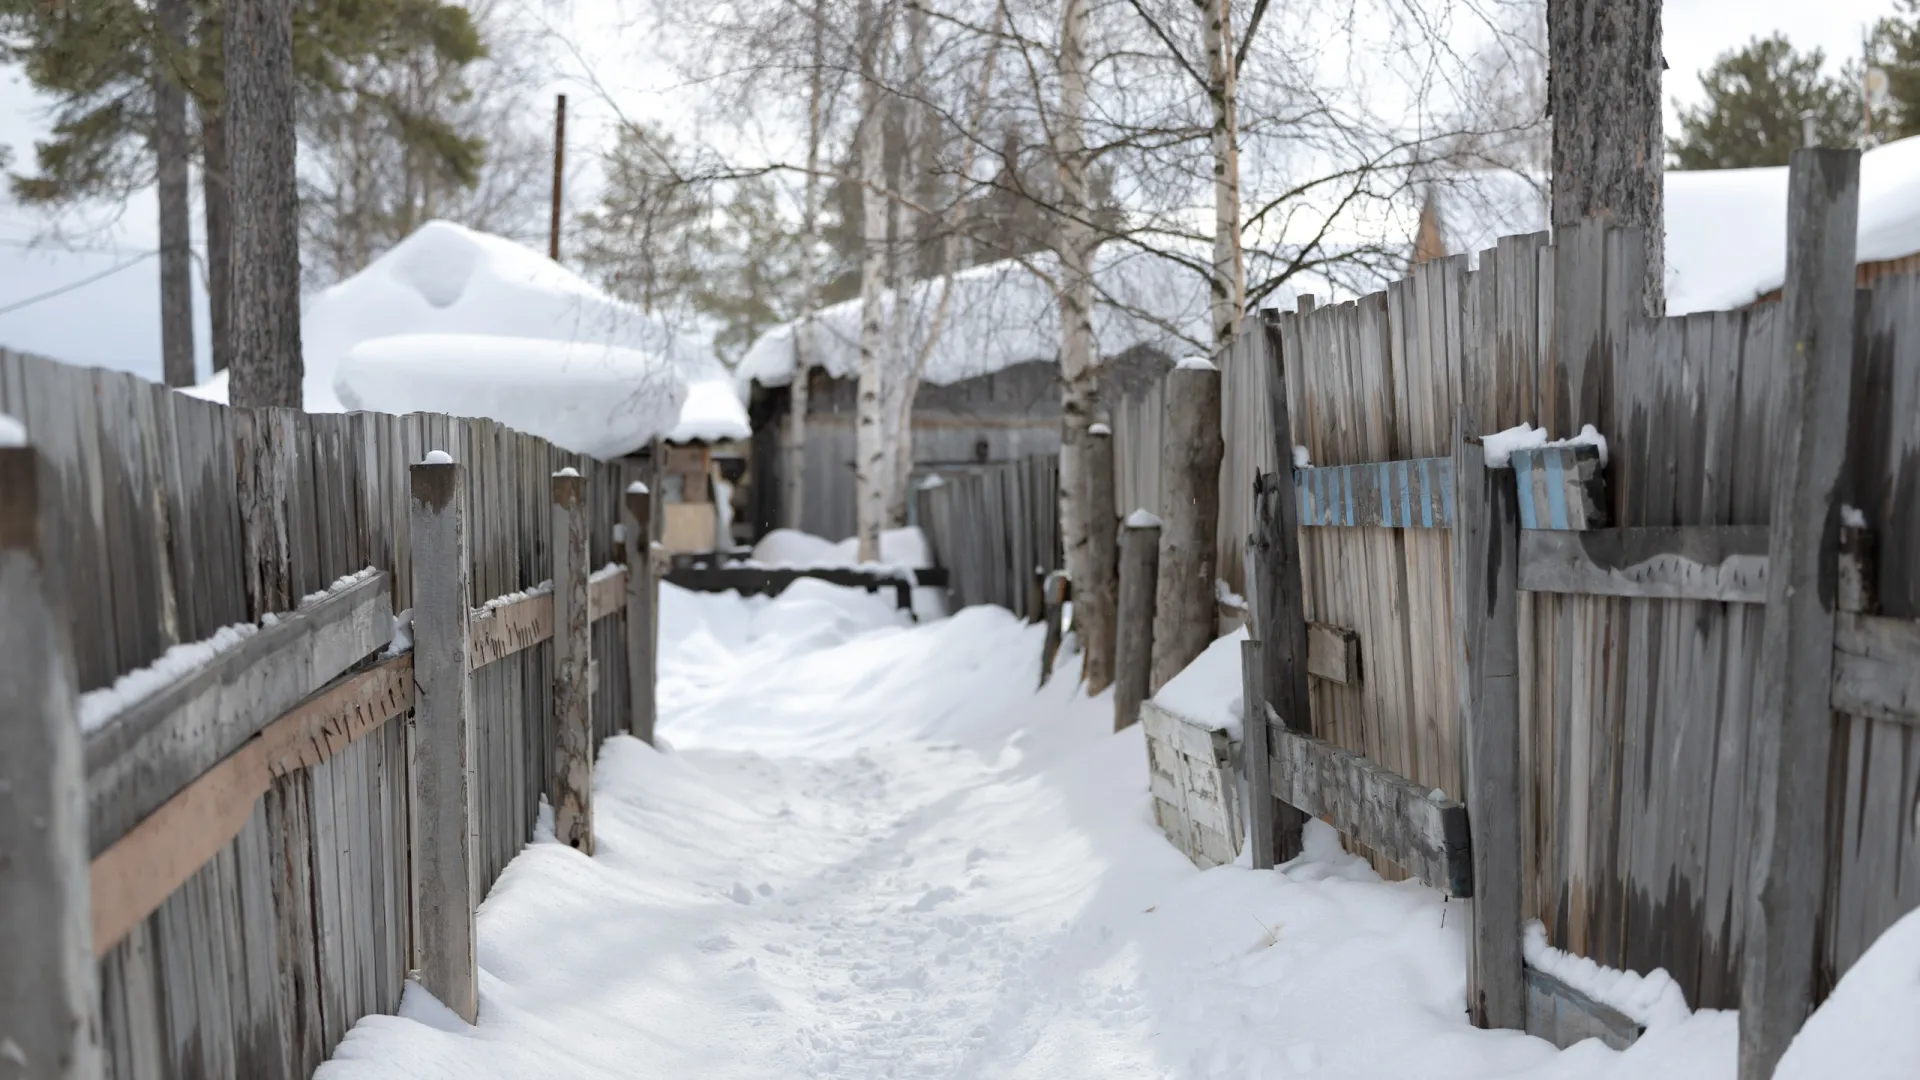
[(910, 356), (809, 284), (173, 154), (265, 318), (1603, 92), (1229, 288), (1079, 371), (870, 472), (219, 213)]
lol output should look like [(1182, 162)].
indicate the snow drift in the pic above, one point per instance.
[(610, 377)]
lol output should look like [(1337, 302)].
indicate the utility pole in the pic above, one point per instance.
[(559, 173)]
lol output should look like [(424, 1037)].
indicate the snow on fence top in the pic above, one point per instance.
[(1004, 313), (457, 321)]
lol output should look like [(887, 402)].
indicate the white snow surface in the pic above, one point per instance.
[(437, 457), (1500, 445), (1208, 691), (1865, 1030), (1654, 999), (1853, 517), (1004, 313), (875, 851), (712, 413), (1195, 363), (899, 548), (588, 397), (591, 351), (1142, 518), (97, 707), (12, 431), (1301, 458)]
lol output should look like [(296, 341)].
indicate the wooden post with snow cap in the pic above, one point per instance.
[(642, 589), (1139, 582), (49, 1024), (440, 767), (1185, 608), (1096, 600), (1486, 570), (572, 666), (1788, 750)]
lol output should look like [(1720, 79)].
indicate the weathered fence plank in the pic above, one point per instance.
[(1183, 616), (1096, 600), (1677, 562), (1487, 643), (1133, 646), (572, 659), (1876, 667), (1794, 727), (1333, 653), (440, 767), (1415, 494), (1561, 487), (642, 589), (147, 751), (49, 1005), (1259, 804)]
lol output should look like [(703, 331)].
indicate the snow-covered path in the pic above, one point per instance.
[(874, 851)]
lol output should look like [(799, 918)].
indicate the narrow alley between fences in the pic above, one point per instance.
[(869, 848)]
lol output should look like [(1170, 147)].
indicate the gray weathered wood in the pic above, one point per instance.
[(1486, 537), (642, 588), (1053, 601), (1183, 614), (1190, 776), (1561, 487), (441, 755), (1096, 600), (1424, 833), (1674, 562), (1259, 803), (1564, 1016), (1876, 667), (49, 1006), (148, 751), (1133, 640), (572, 656), (1416, 494), (1788, 754), (1333, 653), (1277, 593)]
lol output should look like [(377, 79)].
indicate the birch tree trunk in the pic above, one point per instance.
[(1603, 93), (265, 317), (870, 456), (1229, 288), (797, 391), (1079, 371), (904, 385), (172, 148)]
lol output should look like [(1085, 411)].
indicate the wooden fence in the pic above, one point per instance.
[(995, 528), (1648, 764), (264, 844)]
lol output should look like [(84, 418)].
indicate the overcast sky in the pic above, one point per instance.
[(115, 321)]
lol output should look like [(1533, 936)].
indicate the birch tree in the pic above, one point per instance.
[(1228, 284), (870, 451), (1079, 372)]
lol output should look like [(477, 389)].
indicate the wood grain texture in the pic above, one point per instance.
[(1133, 655), (1486, 635), (1794, 729), (1387, 812), (49, 1002), (1564, 1016), (150, 750), (1098, 598), (1876, 668), (441, 769), (1195, 792), (1725, 563), (1415, 494), (1183, 612), (1333, 653), (572, 656), (1257, 799), (642, 591), (1561, 487)]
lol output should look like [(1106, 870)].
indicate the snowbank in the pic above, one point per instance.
[(590, 398), (903, 548), (1866, 1029), (1208, 691), (1004, 313), (450, 280), (1653, 1000)]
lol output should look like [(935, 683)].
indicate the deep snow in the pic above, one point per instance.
[(873, 850)]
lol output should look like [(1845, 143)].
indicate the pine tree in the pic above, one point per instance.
[(1756, 97)]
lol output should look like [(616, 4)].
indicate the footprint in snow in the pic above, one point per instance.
[(740, 894), (934, 898)]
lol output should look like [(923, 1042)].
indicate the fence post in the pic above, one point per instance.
[(1139, 581), (637, 517), (1095, 600), (1185, 615), (1260, 803), (1053, 599), (1486, 566), (572, 666), (1275, 832), (440, 770), (49, 1024), (1794, 726)]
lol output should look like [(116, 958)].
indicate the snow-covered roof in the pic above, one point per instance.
[(712, 413), (1726, 242), (458, 321), (1004, 313)]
